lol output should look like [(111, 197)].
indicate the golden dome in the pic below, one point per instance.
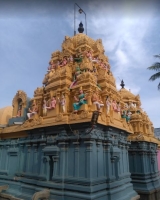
[(127, 95), (136, 116), (5, 114)]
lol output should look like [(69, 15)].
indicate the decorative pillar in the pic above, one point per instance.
[(104, 157), (6, 157), (115, 154), (120, 163), (89, 157), (21, 158), (45, 168), (127, 156), (55, 166), (107, 151), (76, 159), (99, 160), (35, 159), (42, 162), (28, 157)]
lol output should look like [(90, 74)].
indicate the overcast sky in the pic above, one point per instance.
[(30, 30)]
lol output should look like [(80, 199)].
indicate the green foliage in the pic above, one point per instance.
[(156, 67)]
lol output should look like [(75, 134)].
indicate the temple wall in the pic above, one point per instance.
[(144, 169), (74, 166), (158, 157)]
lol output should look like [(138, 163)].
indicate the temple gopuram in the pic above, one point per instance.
[(78, 137)]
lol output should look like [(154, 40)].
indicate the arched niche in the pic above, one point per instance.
[(19, 103)]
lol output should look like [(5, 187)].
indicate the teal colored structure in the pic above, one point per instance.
[(77, 165), (144, 170), (22, 118)]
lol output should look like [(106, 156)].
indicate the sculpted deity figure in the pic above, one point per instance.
[(126, 105), (77, 73), (95, 73), (114, 105), (52, 104), (58, 64), (118, 108), (108, 104), (101, 63), (86, 65), (33, 110), (64, 62), (96, 100), (70, 59), (124, 114), (52, 65), (134, 104), (18, 113), (44, 107), (89, 55), (95, 60), (104, 65), (62, 102), (79, 101), (131, 105), (128, 117), (78, 58)]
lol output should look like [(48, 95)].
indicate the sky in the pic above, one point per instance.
[(30, 30)]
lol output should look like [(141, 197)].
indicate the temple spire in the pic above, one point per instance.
[(80, 29), (122, 84)]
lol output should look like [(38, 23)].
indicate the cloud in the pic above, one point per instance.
[(123, 38), (124, 32), (151, 106)]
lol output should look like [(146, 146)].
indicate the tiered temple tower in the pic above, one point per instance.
[(54, 142)]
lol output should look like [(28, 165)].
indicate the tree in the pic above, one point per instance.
[(156, 67)]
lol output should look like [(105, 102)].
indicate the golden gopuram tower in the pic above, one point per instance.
[(79, 81)]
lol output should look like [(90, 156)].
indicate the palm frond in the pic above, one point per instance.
[(157, 56), (155, 66), (159, 86), (154, 76)]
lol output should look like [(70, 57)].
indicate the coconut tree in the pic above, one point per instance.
[(156, 67)]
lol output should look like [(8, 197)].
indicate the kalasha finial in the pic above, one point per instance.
[(80, 29), (122, 83)]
